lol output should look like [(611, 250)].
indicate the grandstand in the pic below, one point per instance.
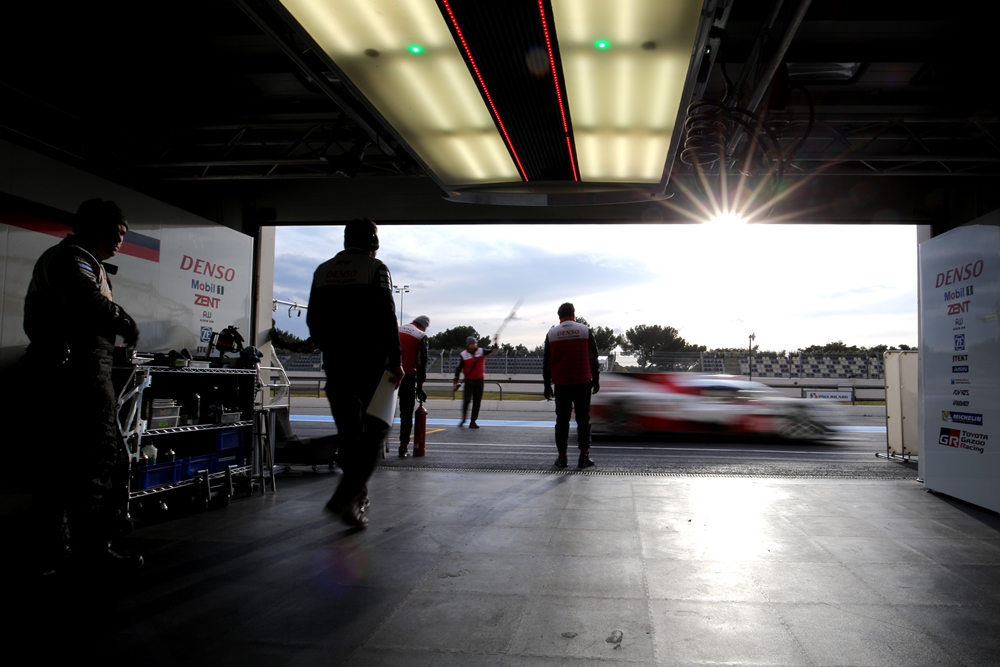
[(764, 366)]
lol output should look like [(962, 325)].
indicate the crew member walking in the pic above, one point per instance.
[(352, 319), (570, 362), (413, 341), (472, 362)]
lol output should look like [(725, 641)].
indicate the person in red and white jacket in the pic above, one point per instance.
[(472, 362), (570, 362), (413, 341)]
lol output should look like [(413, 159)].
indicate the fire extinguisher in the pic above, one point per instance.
[(420, 431)]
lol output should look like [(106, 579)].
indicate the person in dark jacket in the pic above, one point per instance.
[(72, 323), (352, 319), (472, 363), (570, 361), (413, 341)]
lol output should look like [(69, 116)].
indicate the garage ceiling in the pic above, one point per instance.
[(876, 112)]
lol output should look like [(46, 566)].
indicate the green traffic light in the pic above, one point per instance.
[(602, 44), (415, 49)]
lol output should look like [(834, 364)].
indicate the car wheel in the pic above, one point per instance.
[(621, 422), (802, 428)]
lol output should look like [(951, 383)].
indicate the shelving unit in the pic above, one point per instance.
[(205, 456)]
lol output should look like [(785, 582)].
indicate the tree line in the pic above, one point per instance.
[(645, 341)]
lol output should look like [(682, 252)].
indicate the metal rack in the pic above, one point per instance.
[(133, 428)]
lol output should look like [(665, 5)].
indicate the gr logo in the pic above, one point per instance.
[(950, 437)]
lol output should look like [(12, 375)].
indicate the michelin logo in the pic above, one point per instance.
[(962, 417)]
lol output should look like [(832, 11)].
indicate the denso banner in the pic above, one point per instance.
[(181, 282), (960, 363)]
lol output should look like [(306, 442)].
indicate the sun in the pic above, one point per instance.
[(727, 219)]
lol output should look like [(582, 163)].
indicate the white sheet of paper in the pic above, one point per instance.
[(383, 405)]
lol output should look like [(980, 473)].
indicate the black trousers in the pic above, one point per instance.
[(473, 392), (568, 398), (407, 402), (88, 490), (360, 437)]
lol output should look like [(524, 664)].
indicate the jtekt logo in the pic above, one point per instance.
[(955, 358)]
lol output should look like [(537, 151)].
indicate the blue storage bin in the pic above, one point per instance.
[(157, 475), (229, 457), (228, 438), (191, 466)]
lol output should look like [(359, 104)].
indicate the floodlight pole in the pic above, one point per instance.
[(753, 337), (401, 290)]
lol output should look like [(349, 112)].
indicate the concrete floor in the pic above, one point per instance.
[(550, 569)]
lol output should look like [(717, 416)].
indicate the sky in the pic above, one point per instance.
[(790, 285)]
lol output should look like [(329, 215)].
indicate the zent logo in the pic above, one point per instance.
[(956, 308)]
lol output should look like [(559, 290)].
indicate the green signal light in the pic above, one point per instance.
[(602, 45), (415, 49)]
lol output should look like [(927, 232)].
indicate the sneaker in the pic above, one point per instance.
[(473, 425), (461, 423), (351, 514), (585, 460), (403, 452), (562, 461)]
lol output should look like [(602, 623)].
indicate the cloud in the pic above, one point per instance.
[(792, 285)]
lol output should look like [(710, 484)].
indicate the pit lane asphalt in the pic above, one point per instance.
[(524, 442)]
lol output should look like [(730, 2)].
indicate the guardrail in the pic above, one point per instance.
[(320, 383)]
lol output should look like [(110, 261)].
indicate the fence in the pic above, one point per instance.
[(764, 366)]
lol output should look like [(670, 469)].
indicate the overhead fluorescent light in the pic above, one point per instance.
[(426, 94), (625, 63), (597, 111)]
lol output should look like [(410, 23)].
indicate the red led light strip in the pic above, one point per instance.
[(486, 91), (555, 79)]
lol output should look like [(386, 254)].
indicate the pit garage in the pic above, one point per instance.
[(212, 124)]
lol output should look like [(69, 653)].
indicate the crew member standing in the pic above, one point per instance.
[(413, 341), (72, 323), (570, 362), (472, 362), (352, 319)]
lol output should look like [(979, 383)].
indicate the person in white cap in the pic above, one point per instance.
[(413, 341), (472, 362)]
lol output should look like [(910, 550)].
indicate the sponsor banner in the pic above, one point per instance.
[(960, 362), (830, 395)]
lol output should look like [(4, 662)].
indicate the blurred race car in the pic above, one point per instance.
[(633, 403)]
